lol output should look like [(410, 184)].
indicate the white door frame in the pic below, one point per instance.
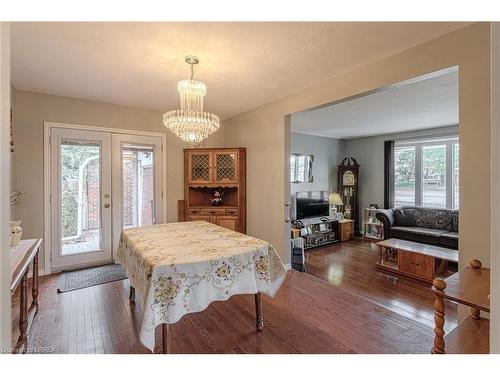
[(118, 139), (47, 127)]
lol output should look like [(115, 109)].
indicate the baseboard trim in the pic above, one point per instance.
[(288, 267)]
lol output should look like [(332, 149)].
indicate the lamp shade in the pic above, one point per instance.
[(334, 198)]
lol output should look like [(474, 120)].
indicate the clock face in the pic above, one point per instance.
[(348, 178)]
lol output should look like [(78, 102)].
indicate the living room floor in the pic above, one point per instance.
[(350, 266)]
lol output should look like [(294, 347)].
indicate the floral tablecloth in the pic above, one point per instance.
[(180, 268)]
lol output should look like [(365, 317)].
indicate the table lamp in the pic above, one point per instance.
[(334, 200)]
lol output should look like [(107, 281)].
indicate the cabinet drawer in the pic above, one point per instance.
[(199, 218), (213, 211), (232, 211), (194, 211)]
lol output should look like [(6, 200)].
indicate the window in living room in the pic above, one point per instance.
[(426, 172)]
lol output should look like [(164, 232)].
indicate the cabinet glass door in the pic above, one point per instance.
[(200, 165), (225, 167)]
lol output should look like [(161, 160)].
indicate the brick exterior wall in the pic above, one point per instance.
[(91, 209)]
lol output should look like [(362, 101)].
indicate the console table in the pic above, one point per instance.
[(470, 287), (21, 257)]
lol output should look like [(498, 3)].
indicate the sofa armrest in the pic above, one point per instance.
[(387, 218)]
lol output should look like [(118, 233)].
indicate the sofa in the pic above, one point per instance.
[(421, 224)]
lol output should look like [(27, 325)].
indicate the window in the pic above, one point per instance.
[(426, 173)]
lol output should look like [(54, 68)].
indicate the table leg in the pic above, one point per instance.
[(165, 340), (258, 312), (131, 295), (34, 289), (22, 342), (165, 336)]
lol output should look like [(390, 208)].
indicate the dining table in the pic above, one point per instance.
[(181, 268)]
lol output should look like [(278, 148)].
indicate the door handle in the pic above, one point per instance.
[(107, 205)]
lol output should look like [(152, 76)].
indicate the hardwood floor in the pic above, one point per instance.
[(357, 310), (351, 266)]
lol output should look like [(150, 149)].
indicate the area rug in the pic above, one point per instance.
[(84, 278)]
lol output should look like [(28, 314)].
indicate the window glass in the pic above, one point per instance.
[(434, 176), (404, 176)]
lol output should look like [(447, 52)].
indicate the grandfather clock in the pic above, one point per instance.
[(348, 189)]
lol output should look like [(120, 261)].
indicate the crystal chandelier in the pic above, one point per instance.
[(191, 123)]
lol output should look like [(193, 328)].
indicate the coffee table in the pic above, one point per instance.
[(419, 261)]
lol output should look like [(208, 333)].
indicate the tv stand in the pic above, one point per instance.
[(318, 231)]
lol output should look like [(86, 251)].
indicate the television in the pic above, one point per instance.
[(311, 204)]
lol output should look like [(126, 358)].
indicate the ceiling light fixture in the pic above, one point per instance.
[(191, 123)]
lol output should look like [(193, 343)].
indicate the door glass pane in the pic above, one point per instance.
[(455, 175), (404, 176), (138, 186), (434, 176), (80, 197)]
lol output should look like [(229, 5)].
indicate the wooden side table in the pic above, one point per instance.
[(21, 257), (470, 287), (346, 229)]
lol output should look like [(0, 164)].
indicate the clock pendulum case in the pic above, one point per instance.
[(348, 171)]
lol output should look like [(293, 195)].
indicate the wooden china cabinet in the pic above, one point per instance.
[(211, 170)]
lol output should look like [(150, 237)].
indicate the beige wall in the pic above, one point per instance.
[(33, 109), (262, 131)]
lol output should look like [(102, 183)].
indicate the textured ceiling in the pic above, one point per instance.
[(245, 65), (428, 102)]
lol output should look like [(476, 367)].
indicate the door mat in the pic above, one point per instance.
[(87, 277)]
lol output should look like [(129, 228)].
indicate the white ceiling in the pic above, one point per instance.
[(427, 102), (245, 65)]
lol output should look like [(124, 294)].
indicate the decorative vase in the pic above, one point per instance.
[(16, 232)]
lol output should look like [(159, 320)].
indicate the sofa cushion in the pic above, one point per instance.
[(434, 218), (417, 234), (404, 217), (449, 239)]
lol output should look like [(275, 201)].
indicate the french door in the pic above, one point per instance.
[(136, 177), (100, 182)]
